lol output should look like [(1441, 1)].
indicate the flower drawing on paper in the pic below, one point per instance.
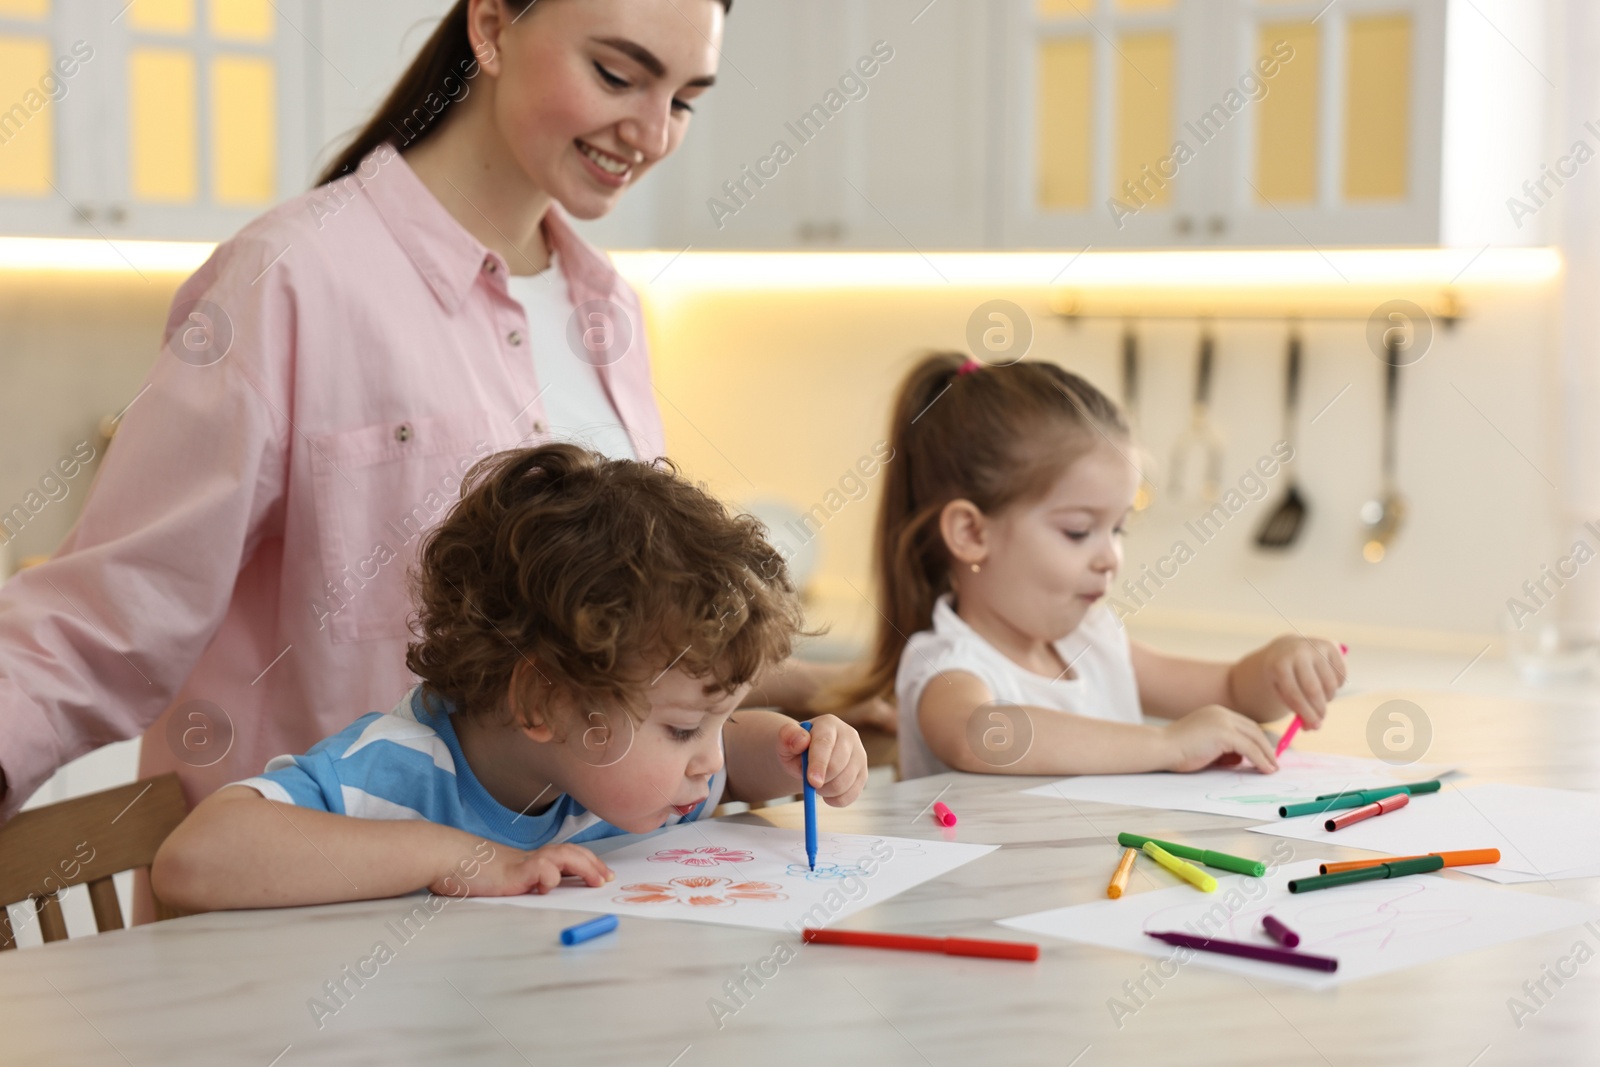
[(699, 891), (705, 856)]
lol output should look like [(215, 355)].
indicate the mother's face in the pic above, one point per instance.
[(590, 94)]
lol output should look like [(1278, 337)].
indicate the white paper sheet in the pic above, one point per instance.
[(1371, 928), (1247, 793), (734, 874), (1543, 833)]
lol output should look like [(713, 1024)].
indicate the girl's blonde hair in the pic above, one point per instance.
[(963, 430)]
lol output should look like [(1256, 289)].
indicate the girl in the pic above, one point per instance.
[(998, 537)]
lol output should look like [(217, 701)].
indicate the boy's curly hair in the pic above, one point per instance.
[(593, 576)]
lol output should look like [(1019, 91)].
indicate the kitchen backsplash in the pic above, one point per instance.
[(775, 398)]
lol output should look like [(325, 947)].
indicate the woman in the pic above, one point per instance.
[(236, 582)]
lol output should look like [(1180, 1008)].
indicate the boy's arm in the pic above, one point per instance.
[(795, 684), (762, 751), (240, 850)]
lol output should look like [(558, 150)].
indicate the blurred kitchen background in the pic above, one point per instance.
[(1351, 172)]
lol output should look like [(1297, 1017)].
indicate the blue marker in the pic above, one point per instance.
[(577, 935), (811, 803)]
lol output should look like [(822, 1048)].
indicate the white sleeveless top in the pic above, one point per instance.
[(1104, 688)]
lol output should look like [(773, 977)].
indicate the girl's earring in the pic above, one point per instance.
[(974, 568)]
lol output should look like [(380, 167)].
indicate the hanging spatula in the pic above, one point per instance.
[(1282, 528)]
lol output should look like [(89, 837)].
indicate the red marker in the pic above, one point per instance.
[(1381, 807), (950, 946), (945, 816)]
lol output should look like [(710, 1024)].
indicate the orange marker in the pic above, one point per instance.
[(1119, 881), (1381, 807), (1462, 858)]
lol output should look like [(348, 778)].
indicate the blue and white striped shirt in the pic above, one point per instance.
[(407, 764)]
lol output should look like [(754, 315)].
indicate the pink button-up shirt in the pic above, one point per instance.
[(235, 587)]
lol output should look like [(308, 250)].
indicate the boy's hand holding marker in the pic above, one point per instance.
[(838, 761)]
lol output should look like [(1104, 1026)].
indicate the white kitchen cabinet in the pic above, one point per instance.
[(836, 124), (182, 119), (1133, 123)]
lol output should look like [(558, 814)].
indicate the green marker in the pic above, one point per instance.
[(1220, 860), (1414, 788), (1367, 874), (1354, 799)]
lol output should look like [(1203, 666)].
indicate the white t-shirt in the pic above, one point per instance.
[(1104, 688), (576, 406)]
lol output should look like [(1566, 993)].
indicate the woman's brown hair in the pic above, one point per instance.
[(560, 570), (408, 117), (994, 435)]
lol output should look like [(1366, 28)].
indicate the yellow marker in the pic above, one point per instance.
[(1187, 871), (1119, 881)]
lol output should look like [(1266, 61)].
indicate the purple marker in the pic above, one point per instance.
[(1249, 952), (1279, 932)]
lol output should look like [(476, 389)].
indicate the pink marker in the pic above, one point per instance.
[(1288, 735), (945, 816)]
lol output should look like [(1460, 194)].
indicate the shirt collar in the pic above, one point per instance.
[(447, 256), (525, 831)]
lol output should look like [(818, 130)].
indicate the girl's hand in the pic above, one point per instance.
[(1209, 734), (838, 761), (510, 872), (1292, 675)]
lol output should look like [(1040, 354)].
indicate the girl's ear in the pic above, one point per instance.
[(486, 21), (965, 532)]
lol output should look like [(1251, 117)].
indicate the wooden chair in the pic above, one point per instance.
[(85, 840)]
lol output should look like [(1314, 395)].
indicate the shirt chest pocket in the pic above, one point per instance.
[(378, 489)]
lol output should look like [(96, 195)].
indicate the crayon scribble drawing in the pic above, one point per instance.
[(705, 856), (827, 872), (699, 891), (850, 852)]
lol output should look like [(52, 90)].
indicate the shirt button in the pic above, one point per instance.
[(538, 426), (515, 337), (490, 266), (402, 433)]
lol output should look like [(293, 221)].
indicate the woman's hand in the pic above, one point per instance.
[(838, 761), (1212, 733), (1291, 675), (509, 872)]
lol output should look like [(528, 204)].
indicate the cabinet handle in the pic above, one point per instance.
[(1217, 225), (1184, 224)]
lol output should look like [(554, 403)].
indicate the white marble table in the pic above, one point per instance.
[(483, 984)]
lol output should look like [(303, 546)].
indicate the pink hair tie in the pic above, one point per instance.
[(969, 366)]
